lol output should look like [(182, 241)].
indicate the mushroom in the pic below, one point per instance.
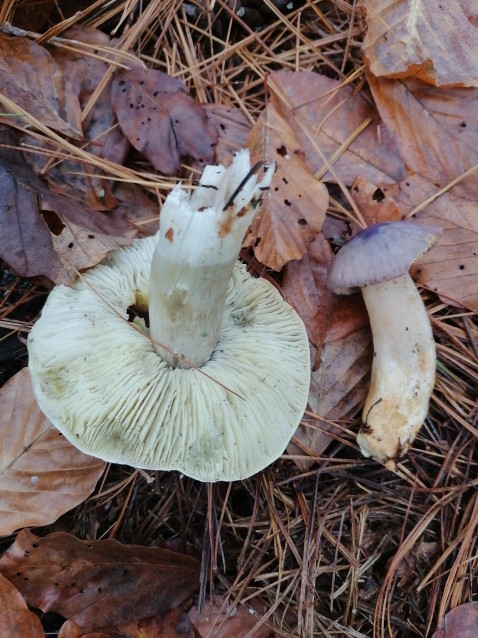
[(217, 385), (377, 260)]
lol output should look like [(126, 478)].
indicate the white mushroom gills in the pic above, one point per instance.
[(200, 240), (403, 369)]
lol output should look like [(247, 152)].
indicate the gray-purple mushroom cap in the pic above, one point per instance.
[(379, 253)]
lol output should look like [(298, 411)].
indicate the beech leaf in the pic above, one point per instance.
[(161, 120), (341, 352), (171, 624), (16, 620), (460, 622), (426, 39), (98, 583), (436, 129), (30, 77), (326, 116), (233, 128), (293, 209), (338, 389), (45, 233), (304, 284), (221, 621), (103, 136), (41, 475)]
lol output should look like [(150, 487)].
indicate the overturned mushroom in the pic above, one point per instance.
[(377, 260), (218, 385)]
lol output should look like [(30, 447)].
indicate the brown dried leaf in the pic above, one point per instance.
[(233, 128), (138, 207), (433, 41), (45, 233), (71, 629), (98, 583), (324, 115), (16, 620), (327, 317), (221, 621), (304, 284), (31, 78), (293, 209), (461, 622), (436, 129), (372, 202), (161, 120), (103, 136), (41, 475), (338, 389), (338, 327), (172, 624), (451, 268)]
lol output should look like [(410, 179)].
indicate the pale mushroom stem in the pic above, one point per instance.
[(200, 240), (403, 370)]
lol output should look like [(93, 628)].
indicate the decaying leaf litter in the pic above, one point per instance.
[(333, 543)]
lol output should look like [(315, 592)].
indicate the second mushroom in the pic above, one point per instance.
[(376, 260)]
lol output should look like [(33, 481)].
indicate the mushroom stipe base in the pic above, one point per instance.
[(98, 378)]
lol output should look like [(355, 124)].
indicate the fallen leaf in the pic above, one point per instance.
[(325, 116), (160, 120), (436, 129), (102, 134), (71, 629), (450, 269), (293, 209), (326, 316), (31, 78), (138, 207), (430, 40), (337, 391), (42, 476), (461, 622), (304, 284), (174, 623), (220, 620), (98, 583), (45, 233), (16, 620), (372, 202), (233, 128)]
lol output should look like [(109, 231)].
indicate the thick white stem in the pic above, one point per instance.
[(403, 370), (200, 240)]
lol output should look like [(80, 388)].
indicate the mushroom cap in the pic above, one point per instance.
[(99, 380), (380, 252)]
